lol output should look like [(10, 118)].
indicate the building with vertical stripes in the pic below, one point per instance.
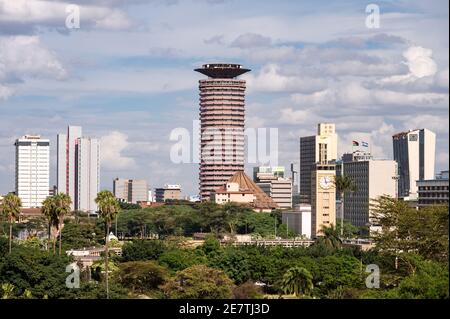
[(222, 118)]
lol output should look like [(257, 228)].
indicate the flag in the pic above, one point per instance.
[(355, 143), (365, 144)]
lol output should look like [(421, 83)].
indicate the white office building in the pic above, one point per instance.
[(299, 220), (79, 168), (372, 178), (32, 170), (415, 153)]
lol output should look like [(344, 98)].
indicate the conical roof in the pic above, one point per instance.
[(262, 201)]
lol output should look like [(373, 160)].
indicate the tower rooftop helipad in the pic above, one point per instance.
[(222, 70)]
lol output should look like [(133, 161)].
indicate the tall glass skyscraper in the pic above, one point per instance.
[(222, 117), (415, 153)]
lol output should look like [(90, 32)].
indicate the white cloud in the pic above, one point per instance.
[(270, 79), (355, 94), (420, 61), (23, 56), (28, 14), (112, 146), (5, 92)]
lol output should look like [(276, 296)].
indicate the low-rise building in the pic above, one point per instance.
[(241, 189), (168, 192), (299, 220), (434, 192), (130, 190), (272, 181)]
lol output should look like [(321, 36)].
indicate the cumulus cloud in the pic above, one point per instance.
[(356, 94), (112, 146), (420, 61), (271, 79), (29, 16), (23, 57)]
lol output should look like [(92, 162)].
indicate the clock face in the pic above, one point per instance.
[(326, 182)]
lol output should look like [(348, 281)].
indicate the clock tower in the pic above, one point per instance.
[(323, 199)]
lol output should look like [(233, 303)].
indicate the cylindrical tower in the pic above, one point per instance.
[(222, 117)]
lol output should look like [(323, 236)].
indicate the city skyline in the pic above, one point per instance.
[(135, 85)]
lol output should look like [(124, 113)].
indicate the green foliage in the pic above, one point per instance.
[(406, 229), (199, 282), (211, 246), (180, 259), (77, 236), (140, 250), (141, 276), (298, 281), (38, 271), (247, 290), (128, 206)]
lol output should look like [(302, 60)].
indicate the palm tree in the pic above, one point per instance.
[(11, 208), (48, 210), (344, 184), (108, 207), (62, 208), (330, 237), (298, 281), (7, 290)]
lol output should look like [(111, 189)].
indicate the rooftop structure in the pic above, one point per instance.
[(222, 70)]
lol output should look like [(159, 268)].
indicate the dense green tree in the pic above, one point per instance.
[(141, 250), (298, 281), (235, 263), (141, 276), (36, 270), (199, 282), (128, 206), (180, 259), (405, 229), (82, 235), (248, 290)]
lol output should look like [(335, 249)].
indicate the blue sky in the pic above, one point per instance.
[(127, 75)]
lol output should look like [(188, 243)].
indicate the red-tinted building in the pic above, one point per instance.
[(222, 117)]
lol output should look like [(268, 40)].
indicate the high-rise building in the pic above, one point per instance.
[(32, 170), (168, 192), (372, 179), (131, 190), (271, 180), (415, 153), (79, 168), (222, 117), (320, 148), (323, 197)]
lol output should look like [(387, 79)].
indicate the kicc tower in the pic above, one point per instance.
[(222, 118)]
